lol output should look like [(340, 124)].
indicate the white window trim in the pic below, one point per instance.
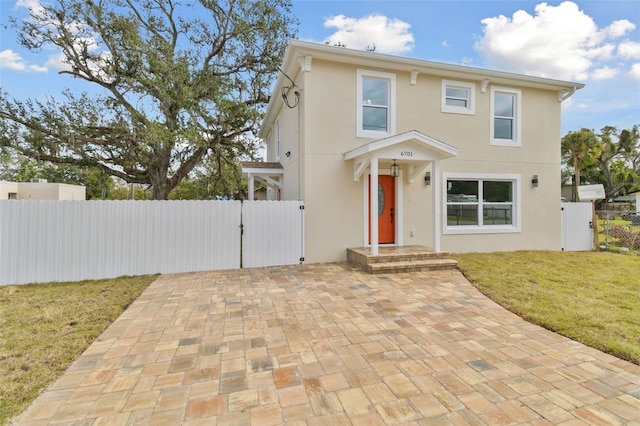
[(517, 117), (515, 227), (470, 109), (392, 104), (276, 139)]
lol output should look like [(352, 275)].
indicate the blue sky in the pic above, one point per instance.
[(596, 42)]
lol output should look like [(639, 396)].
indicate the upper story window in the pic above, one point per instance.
[(458, 97), (376, 104), (505, 116), (484, 203)]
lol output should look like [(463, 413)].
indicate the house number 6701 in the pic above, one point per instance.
[(406, 154)]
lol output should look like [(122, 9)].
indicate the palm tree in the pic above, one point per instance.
[(580, 149)]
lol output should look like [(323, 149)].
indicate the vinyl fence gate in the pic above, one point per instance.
[(43, 241), (577, 227)]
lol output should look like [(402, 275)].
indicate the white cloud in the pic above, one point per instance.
[(11, 60), (604, 73), (57, 61), (619, 28), (32, 5), (601, 52), (635, 71), (629, 49), (38, 68), (445, 43), (388, 35), (557, 42)]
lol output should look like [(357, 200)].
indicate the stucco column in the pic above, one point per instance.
[(436, 203), (373, 211), (251, 197)]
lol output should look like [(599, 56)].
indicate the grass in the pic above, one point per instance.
[(590, 297), (593, 298), (44, 327)]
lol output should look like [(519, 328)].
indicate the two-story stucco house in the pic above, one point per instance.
[(449, 157)]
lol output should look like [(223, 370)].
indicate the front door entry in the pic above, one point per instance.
[(386, 209)]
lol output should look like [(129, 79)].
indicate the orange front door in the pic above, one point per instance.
[(386, 209)]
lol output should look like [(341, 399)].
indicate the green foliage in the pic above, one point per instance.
[(611, 158), (579, 149), (179, 84), (214, 178)]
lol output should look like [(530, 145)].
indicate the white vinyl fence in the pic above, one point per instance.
[(42, 241), (272, 236), (577, 231)]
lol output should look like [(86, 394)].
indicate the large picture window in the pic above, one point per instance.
[(484, 203), (376, 98), (505, 116)]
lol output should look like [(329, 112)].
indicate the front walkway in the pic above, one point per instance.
[(328, 344)]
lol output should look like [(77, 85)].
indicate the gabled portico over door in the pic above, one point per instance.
[(415, 152)]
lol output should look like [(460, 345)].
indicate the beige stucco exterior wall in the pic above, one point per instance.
[(290, 142), (335, 212), (42, 191), (7, 188)]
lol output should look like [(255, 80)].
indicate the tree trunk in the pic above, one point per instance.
[(576, 168)]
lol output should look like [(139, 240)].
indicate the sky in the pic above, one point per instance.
[(594, 42)]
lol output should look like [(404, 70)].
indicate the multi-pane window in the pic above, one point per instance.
[(505, 116), (375, 104), (376, 97), (458, 97), (481, 203)]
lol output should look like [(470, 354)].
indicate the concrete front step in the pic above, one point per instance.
[(411, 266), (399, 259), (407, 257)]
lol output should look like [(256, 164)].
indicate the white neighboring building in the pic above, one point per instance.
[(40, 189)]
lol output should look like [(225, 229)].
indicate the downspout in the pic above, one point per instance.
[(299, 153), (437, 211)]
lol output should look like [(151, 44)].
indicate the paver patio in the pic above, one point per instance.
[(327, 344)]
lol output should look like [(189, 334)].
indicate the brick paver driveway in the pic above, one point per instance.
[(327, 344)]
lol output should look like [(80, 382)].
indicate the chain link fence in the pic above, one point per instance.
[(619, 229)]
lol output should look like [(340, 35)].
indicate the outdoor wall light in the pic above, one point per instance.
[(534, 181), (394, 169), (427, 178), (288, 154)]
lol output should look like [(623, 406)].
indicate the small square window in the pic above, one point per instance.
[(458, 97)]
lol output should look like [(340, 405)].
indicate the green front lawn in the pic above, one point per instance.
[(593, 298), (45, 327)]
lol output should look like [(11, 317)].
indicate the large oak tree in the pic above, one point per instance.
[(179, 82)]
